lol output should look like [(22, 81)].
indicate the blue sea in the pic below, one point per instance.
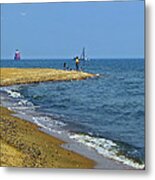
[(105, 113)]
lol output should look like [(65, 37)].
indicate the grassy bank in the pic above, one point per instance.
[(23, 145), (11, 76)]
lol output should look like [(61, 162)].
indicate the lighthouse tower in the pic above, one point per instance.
[(17, 55)]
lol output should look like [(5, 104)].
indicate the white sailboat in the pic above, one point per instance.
[(83, 56)]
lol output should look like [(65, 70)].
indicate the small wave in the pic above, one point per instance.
[(12, 92), (107, 148), (24, 102), (48, 123)]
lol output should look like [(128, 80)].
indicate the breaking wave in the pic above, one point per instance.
[(107, 148)]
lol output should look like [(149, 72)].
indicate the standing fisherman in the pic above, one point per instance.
[(77, 63), (65, 65)]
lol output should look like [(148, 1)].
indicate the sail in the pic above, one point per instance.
[(83, 55)]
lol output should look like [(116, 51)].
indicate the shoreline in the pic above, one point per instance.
[(23, 145), (83, 156), (93, 159), (14, 76), (28, 151)]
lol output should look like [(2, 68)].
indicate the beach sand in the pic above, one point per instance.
[(12, 76), (24, 145)]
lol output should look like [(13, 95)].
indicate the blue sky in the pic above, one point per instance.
[(61, 30)]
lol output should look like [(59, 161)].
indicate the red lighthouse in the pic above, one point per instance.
[(17, 55)]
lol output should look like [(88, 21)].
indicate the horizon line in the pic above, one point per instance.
[(94, 58)]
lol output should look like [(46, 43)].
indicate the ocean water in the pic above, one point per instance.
[(105, 113)]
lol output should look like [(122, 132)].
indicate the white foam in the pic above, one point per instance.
[(12, 91), (47, 127), (24, 102), (105, 147), (49, 124), (97, 75), (14, 94)]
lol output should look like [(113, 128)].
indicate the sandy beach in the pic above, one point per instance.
[(12, 76), (22, 143)]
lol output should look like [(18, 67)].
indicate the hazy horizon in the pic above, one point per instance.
[(93, 58)]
